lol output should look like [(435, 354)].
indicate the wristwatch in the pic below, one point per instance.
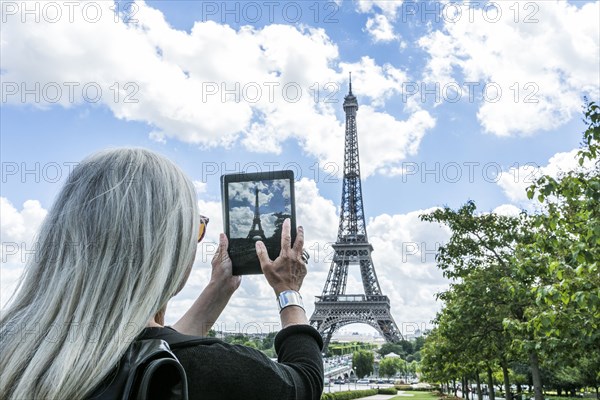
[(289, 298)]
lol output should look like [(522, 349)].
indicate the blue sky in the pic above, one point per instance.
[(176, 58)]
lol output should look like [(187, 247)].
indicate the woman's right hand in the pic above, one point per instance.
[(287, 271), (222, 270)]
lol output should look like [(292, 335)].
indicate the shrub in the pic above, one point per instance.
[(348, 395), (391, 390), (408, 388)]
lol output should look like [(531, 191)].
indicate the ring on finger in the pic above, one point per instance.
[(305, 256)]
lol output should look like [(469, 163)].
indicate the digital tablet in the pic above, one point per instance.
[(254, 208)]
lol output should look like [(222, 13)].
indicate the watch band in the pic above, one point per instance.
[(289, 298)]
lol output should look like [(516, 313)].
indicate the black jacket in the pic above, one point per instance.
[(221, 371)]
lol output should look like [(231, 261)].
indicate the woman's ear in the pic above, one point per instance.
[(184, 281), (159, 317)]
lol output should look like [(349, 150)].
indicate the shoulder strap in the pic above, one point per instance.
[(178, 340)]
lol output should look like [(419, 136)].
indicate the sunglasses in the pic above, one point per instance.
[(203, 222)]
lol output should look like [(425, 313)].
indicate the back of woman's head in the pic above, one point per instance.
[(114, 248)]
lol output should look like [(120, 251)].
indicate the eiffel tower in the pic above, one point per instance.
[(256, 230), (334, 308)]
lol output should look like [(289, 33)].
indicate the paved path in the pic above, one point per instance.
[(379, 397), (386, 396)]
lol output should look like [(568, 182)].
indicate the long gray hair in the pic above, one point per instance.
[(116, 245)]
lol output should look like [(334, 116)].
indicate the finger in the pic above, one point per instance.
[(286, 236), (261, 252), (223, 246), (223, 242), (299, 243), (221, 253)]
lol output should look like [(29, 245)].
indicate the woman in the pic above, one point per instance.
[(117, 244)]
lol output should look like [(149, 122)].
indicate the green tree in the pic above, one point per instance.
[(566, 255), (363, 361), (237, 338), (419, 343), (397, 348), (531, 281), (268, 340), (388, 367), (439, 364), (485, 290)]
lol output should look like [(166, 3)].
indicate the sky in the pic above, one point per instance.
[(457, 101)]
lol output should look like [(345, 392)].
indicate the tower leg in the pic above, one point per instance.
[(327, 336)]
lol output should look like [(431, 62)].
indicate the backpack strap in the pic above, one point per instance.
[(163, 378), (150, 370), (147, 371), (177, 340)]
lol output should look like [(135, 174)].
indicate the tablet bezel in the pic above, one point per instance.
[(254, 267)]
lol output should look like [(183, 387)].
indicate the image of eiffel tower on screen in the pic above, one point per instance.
[(257, 210)]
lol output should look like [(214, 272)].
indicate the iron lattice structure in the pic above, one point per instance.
[(334, 308), (256, 231)]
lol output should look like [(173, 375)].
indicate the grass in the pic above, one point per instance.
[(416, 396)]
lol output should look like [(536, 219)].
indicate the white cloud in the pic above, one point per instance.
[(377, 82), (319, 218), (245, 192), (280, 92), (243, 217), (380, 24), (10, 277), (404, 259), (18, 230), (179, 104), (553, 61), (508, 210), (315, 213), (387, 7), (20, 226), (515, 181), (381, 29), (384, 141), (199, 186)]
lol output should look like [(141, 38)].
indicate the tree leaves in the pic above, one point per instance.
[(524, 284)]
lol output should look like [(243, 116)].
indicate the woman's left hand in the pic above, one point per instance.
[(221, 276)]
